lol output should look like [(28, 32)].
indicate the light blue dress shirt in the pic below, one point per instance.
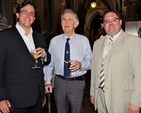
[(80, 50)]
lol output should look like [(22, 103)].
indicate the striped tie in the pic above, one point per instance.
[(102, 78)]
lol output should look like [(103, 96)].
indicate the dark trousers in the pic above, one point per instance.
[(37, 108), (68, 95)]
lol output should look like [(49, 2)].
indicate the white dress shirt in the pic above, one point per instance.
[(27, 39)]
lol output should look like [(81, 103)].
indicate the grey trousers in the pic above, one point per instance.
[(68, 95)]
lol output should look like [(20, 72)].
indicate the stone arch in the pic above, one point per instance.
[(89, 17), (138, 11)]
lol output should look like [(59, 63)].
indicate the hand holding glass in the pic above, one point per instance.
[(35, 56)]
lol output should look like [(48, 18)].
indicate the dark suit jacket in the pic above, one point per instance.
[(19, 83)]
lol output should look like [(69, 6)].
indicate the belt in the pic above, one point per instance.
[(71, 79)]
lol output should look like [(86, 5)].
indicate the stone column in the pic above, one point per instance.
[(63, 4), (3, 19)]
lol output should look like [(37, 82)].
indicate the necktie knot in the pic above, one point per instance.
[(110, 40), (68, 39)]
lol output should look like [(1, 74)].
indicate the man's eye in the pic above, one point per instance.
[(70, 19)]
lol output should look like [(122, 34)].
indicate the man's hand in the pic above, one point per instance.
[(92, 99), (41, 52), (133, 109), (74, 65), (48, 88), (5, 106)]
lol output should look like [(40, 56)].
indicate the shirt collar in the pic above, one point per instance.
[(71, 37), (20, 29), (115, 36)]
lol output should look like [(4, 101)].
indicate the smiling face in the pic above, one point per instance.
[(111, 23), (26, 16), (68, 23)]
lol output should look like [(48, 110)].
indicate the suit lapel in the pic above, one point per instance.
[(35, 39), (116, 43), (18, 37), (102, 44), (21, 41)]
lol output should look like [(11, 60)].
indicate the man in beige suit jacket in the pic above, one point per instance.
[(122, 69)]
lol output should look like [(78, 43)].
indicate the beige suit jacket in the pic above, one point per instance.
[(122, 69)]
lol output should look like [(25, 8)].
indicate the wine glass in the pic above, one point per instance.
[(35, 56)]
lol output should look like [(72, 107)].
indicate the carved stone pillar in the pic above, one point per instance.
[(63, 5), (3, 19)]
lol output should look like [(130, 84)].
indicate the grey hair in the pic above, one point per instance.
[(76, 19)]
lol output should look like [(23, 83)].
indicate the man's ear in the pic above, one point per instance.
[(76, 24), (17, 15), (120, 22), (34, 19), (102, 26)]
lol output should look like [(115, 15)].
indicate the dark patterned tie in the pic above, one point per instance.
[(66, 59)]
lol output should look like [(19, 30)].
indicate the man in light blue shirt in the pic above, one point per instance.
[(68, 92)]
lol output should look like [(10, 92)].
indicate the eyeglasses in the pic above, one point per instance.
[(25, 12), (110, 20)]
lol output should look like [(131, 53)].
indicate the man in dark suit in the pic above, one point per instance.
[(21, 81)]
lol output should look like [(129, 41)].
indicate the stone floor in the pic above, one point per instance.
[(87, 106)]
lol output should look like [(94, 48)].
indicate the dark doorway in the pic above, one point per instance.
[(95, 29), (139, 12)]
